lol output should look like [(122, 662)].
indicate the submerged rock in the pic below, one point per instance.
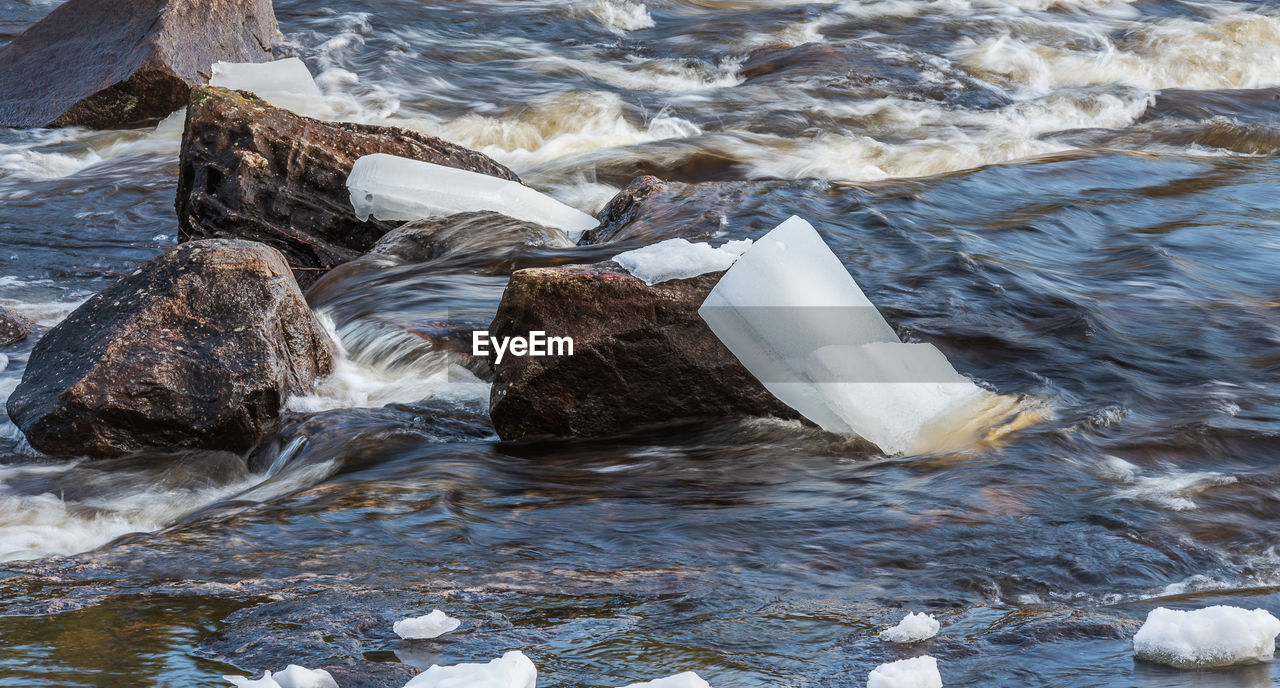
[(114, 63), (253, 171), (650, 210), (641, 355), (14, 327), (197, 349)]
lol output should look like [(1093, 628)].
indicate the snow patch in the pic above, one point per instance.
[(912, 629), (433, 625), (679, 259), (1210, 637)]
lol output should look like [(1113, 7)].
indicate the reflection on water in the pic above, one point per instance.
[(1113, 253)]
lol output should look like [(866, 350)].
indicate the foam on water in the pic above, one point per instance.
[(620, 16), (378, 366)]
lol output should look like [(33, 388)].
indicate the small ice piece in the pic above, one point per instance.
[(679, 259), (918, 672), (512, 670), (686, 680), (912, 629), (284, 83), (433, 625), (1210, 637), (293, 676), (394, 188)]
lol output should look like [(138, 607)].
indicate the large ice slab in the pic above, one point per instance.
[(284, 83), (512, 670), (918, 672), (1209, 637), (792, 314), (292, 677), (394, 188)]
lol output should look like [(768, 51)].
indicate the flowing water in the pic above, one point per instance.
[(1077, 200)]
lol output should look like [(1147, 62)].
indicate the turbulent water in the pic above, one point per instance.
[(1076, 200)]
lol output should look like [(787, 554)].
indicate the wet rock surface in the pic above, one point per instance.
[(252, 171), (641, 355), (114, 63), (650, 210), (197, 349), (14, 327)]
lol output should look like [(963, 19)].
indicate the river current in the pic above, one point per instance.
[(1076, 200)]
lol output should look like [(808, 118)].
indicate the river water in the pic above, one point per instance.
[(1076, 200)]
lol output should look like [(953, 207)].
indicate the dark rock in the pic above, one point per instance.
[(14, 327), (651, 210), (467, 235), (642, 355), (253, 171), (113, 63), (197, 349)]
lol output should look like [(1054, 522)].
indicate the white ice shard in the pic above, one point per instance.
[(912, 629), (433, 625), (686, 680), (679, 259), (284, 83), (1209, 637), (394, 188), (512, 670), (792, 314), (293, 676), (917, 672)]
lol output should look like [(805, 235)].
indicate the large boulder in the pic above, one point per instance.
[(253, 171), (197, 349), (14, 327), (641, 355), (115, 63)]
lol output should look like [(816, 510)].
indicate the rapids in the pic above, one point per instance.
[(1075, 200)]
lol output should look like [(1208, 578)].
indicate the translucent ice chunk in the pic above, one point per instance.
[(1210, 637), (902, 397), (512, 670), (293, 676), (284, 83), (912, 629), (800, 324), (394, 188), (918, 672), (785, 298), (679, 259), (686, 680), (433, 625)]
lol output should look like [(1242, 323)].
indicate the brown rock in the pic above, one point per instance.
[(651, 210), (641, 355), (114, 63), (253, 171), (14, 327), (197, 349)]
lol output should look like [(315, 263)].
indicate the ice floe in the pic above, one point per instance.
[(394, 188), (912, 629), (679, 259), (792, 314), (433, 625), (512, 670), (1209, 637), (917, 672), (293, 676)]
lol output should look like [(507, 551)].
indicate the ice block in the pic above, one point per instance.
[(394, 188)]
